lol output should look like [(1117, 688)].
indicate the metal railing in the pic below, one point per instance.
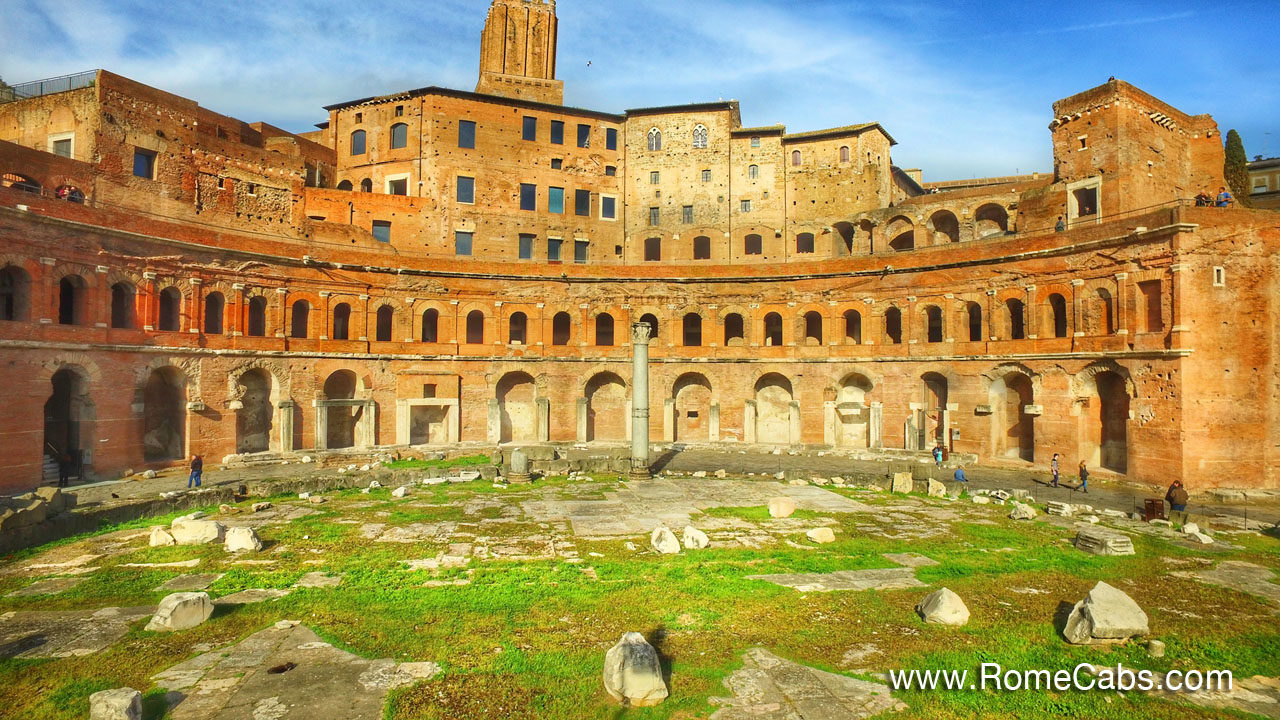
[(49, 86)]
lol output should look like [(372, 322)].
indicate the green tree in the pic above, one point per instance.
[(1236, 169)]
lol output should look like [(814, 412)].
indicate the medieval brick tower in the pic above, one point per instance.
[(518, 52)]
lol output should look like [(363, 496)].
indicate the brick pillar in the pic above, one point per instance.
[(1029, 324), (326, 315), (47, 311), (991, 315), (1076, 284), (1122, 303), (148, 301), (195, 319), (282, 301), (415, 323), (363, 330), (1175, 299), (909, 324), (237, 310)]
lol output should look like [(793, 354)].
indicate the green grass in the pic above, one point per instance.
[(464, 461)]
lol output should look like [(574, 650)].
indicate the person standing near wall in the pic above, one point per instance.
[(197, 469), (1177, 497), (1054, 466), (1084, 478)]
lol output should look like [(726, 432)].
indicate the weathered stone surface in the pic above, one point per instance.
[(1100, 541), (318, 580), (981, 500), (821, 535), (50, 586), (768, 687), (1106, 614), (1060, 509), (63, 633), (1243, 576), (1155, 648), (181, 611), (252, 595), (400, 491), (1191, 528), (161, 538), (242, 539), (260, 506), (1200, 538), (664, 541), (781, 507), (632, 673), (197, 532), (1022, 511), (943, 607), (877, 579), (936, 489), (695, 539), (117, 704), (189, 583), (902, 483), (912, 560)]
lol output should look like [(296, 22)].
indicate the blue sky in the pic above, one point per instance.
[(965, 87)]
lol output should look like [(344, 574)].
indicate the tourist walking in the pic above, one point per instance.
[(1177, 496), (1084, 478), (197, 469), (1054, 466), (937, 455)]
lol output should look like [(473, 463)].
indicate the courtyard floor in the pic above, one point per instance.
[(469, 600)]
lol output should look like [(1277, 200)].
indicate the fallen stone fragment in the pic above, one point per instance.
[(181, 611), (1100, 541), (400, 492), (242, 539), (1106, 614), (902, 483), (781, 507), (1022, 511), (981, 500), (943, 607), (822, 535), (1191, 528), (936, 489), (259, 507), (198, 532), (664, 541), (161, 537), (695, 539), (1155, 648), (118, 704), (316, 499), (632, 673), (1201, 538), (768, 687), (1060, 509)]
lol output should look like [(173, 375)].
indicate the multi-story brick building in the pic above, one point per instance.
[(440, 266)]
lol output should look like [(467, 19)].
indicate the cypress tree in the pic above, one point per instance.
[(1236, 169)]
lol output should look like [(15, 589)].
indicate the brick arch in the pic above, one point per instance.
[(280, 385), (1081, 379), (1006, 368), (594, 370), (77, 362)]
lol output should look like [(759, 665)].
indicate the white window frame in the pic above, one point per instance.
[(386, 183), (55, 137), (701, 137), (654, 134), (1073, 210), (472, 178), (1219, 276), (615, 207)]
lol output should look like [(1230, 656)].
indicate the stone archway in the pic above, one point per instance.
[(774, 402), (1106, 419), (691, 411), (606, 408), (164, 415), (343, 418), (1012, 427), (68, 419), (517, 407), (255, 416), (852, 413)]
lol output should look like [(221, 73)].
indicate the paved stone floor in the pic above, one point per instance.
[(771, 688), (53, 634)]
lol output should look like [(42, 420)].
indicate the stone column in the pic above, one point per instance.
[(48, 312), (1122, 304), (875, 423), (639, 402), (1030, 316), (98, 298), (829, 423), (668, 420), (713, 430), (282, 304), (148, 293), (543, 406), (326, 315), (1076, 318), (494, 421), (195, 323), (285, 414), (991, 314), (749, 422), (237, 314)]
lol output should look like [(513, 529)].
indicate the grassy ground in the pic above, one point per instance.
[(526, 638)]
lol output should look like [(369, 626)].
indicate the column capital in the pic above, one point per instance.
[(237, 286), (1077, 282), (148, 275), (48, 261), (282, 291), (325, 293), (1122, 275), (197, 281), (102, 269), (991, 292)]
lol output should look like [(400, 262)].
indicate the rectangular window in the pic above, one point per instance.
[(652, 249), (382, 231), (462, 243), (466, 189), (528, 196), (582, 203), (746, 206), (702, 248), (706, 176), (755, 142), (555, 200), (653, 216), (654, 177), (553, 249), (608, 208), (1219, 276), (557, 132), (584, 136), (61, 146), (466, 134), (580, 249), (399, 110), (611, 139), (526, 247), (530, 128), (688, 215), (144, 163), (610, 171), (397, 186), (557, 163)]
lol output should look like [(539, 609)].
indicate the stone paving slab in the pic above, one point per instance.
[(911, 560), (879, 579), (318, 580), (189, 583), (255, 595), (1238, 575), (51, 586), (771, 688), (72, 633), (236, 683), (1259, 695)]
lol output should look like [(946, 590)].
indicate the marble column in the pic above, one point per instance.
[(639, 402)]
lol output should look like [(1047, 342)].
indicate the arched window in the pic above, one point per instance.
[(342, 321), (430, 325), (71, 291), (1017, 328), (844, 153), (933, 321), (518, 329), (122, 306), (702, 248), (300, 320), (1058, 308), (652, 321), (399, 136), (853, 327), (346, 185), (14, 293), (753, 245), (734, 333), (975, 322), (692, 330), (561, 328), (382, 333), (357, 142), (214, 305), (475, 328), (795, 158), (257, 316), (170, 310), (773, 329), (366, 185), (753, 172), (604, 330), (655, 140), (893, 325), (700, 135), (804, 244), (19, 182), (812, 328)]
